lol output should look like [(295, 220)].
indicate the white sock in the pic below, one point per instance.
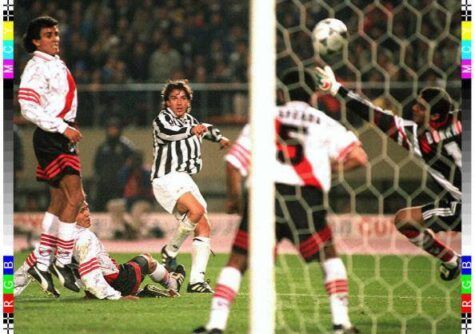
[(226, 289), (185, 228), (161, 275), (199, 259), (48, 239), (66, 236), (336, 284)]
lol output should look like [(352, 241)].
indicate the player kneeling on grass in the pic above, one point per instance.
[(434, 134), (310, 145), (101, 276)]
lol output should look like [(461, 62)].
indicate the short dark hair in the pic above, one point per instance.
[(182, 85), (34, 29), (299, 84)]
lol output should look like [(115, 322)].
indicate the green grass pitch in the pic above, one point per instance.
[(388, 294)]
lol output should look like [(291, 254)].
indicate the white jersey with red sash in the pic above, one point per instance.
[(47, 93), (307, 141)]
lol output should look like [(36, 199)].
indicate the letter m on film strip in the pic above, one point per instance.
[(7, 10), (466, 10)]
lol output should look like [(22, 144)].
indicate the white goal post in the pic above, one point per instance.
[(262, 101)]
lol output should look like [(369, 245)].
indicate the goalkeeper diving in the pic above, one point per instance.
[(434, 134)]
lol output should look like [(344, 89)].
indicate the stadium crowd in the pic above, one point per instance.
[(125, 41)]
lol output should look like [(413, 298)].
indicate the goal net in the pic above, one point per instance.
[(395, 49)]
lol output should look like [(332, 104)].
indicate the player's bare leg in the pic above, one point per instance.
[(38, 262), (72, 191), (410, 223), (227, 287)]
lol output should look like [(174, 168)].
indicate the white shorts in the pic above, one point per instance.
[(169, 188)]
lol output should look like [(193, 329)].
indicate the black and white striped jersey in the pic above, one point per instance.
[(175, 148), (440, 149)]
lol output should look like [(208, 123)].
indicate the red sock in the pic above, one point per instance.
[(428, 242), (31, 259)]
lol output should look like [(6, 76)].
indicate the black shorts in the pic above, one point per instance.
[(56, 157), (443, 214), (300, 217), (130, 276)]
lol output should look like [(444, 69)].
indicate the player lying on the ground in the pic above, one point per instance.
[(434, 134), (308, 142), (101, 276)]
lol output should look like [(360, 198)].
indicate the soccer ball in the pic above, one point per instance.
[(329, 36)]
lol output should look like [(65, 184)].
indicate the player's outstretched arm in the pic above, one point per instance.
[(214, 134), (355, 103), (327, 83)]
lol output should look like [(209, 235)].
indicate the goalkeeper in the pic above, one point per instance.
[(309, 146), (101, 276), (434, 134)]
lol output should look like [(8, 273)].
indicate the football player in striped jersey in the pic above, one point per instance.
[(177, 156)]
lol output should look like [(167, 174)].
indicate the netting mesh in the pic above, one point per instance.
[(395, 49)]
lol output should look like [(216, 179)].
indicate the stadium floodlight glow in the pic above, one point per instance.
[(262, 102)]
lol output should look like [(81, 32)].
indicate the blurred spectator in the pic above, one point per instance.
[(138, 63), (238, 62), (110, 157), (137, 200), (163, 62)]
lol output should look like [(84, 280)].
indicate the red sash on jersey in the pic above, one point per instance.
[(303, 167), (69, 95)]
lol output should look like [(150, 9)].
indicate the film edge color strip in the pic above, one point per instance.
[(8, 76), (466, 76)]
